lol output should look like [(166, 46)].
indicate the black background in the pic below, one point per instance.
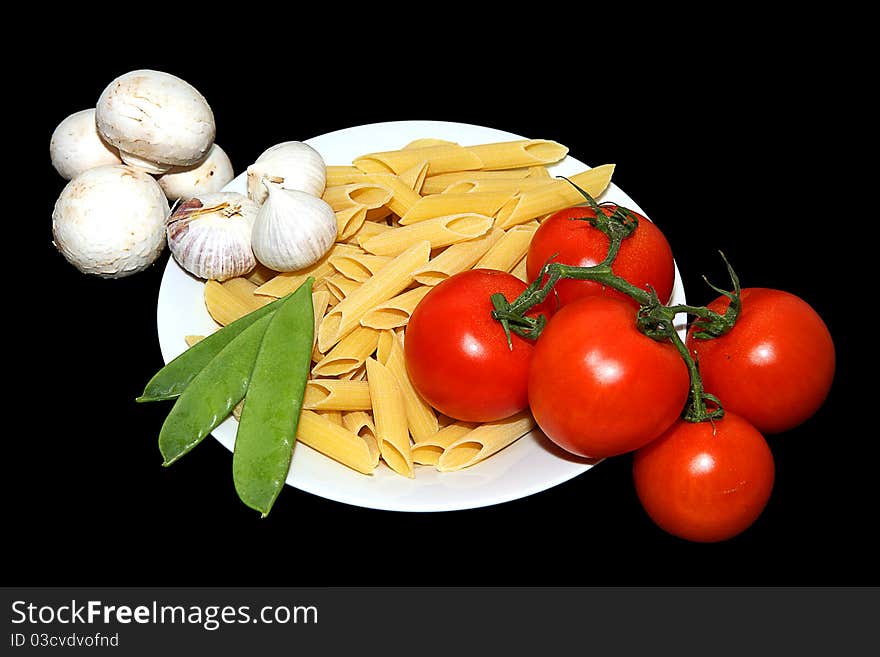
[(722, 151)]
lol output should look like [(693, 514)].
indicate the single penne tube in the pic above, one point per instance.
[(429, 450), (403, 197), (349, 221), (361, 424), (554, 196), (225, 305), (343, 175), (358, 266), (349, 353), (340, 286), (286, 282), (335, 441), (439, 232), (389, 417), (538, 173), (421, 420), (367, 230), (396, 311), (320, 301), (336, 395), (261, 274), (193, 339), (484, 441), (519, 270), (519, 153), (415, 176), (510, 249), (509, 186), (457, 258), (442, 205), (438, 183), (360, 374), (366, 194), (429, 141), (334, 416), (388, 282), (240, 287), (440, 158)]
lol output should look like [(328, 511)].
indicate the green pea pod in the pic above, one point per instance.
[(212, 393), (172, 380), (267, 429)]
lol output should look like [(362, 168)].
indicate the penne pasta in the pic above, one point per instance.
[(358, 266), (439, 232), (403, 197), (456, 258), (349, 221), (420, 417), (261, 274), (519, 270), (510, 249), (361, 424), (367, 230), (364, 194), (519, 153), (483, 441), (554, 196), (429, 141), (389, 416), (429, 450), (343, 175), (340, 286), (415, 176), (392, 279), (336, 395), (440, 158), (438, 183), (349, 353), (320, 301), (442, 205), (509, 186), (335, 441), (396, 311), (225, 303), (286, 282), (193, 339), (334, 416)]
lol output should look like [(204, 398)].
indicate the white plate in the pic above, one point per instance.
[(530, 465)]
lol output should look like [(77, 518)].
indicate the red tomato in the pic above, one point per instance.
[(644, 259), (457, 356), (705, 483), (775, 367), (598, 386)]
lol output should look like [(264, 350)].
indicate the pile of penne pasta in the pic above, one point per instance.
[(407, 220)]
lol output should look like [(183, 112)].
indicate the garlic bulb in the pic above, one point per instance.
[(292, 165), (210, 235), (293, 229)]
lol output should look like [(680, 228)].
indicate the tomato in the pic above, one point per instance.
[(457, 356), (775, 367), (705, 483), (598, 386), (644, 259)]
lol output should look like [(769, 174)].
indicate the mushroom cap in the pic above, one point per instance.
[(110, 221), (210, 175), (156, 118), (76, 145)]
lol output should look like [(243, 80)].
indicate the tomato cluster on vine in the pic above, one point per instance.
[(605, 373)]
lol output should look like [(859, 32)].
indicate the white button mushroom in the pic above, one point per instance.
[(76, 146), (110, 221), (156, 120), (211, 175)]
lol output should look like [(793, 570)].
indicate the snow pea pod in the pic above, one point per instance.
[(267, 429), (212, 393), (171, 380)]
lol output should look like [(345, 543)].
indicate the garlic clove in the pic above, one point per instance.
[(210, 235), (293, 229), (292, 165)]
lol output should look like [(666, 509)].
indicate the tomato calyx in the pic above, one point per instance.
[(654, 319)]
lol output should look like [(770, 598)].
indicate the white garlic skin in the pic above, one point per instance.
[(291, 165), (210, 235), (156, 120), (76, 146), (110, 221), (293, 229), (210, 175)]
